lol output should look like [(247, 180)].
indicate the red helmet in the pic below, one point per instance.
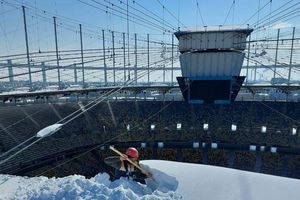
[(132, 152)]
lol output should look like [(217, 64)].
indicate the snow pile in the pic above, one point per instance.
[(49, 130), (172, 180), (160, 181), (78, 187), (218, 183)]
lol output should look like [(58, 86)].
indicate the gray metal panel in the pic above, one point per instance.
[(227, 39), (227, 65), (202, 63), (194, 66), (191, 39), (211, 43), (182, 64), (215, 69), (206, 65), (221, 58), (243, 43), (195, 42), (237, 41), (219, 40), (212, 40), (214, 29), (182, 43), (198, 61), (211, 64), (189, 64), (222, 64), (235, 61), (204, 41), (240, 61)]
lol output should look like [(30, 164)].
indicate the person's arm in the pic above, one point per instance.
[(113, 161)]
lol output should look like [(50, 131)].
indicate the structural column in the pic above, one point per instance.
[(172, 71), (75, 75), (124, 58), (57, 57), (114, 61), (148, 58), (27, 47), (164, 63), (10, 71), (249, 44), (82, 63), (135, 53), (255, 69), (104, 61), (44, 74), (291, 57), (276, 55)]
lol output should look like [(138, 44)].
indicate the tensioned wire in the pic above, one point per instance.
[(86, 108)]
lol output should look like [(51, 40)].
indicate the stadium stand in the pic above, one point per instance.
[(155, 121)]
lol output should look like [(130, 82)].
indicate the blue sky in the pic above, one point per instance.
[(40, 29), (94, 17), (213, 12)]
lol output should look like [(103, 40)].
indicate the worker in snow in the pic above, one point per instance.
[(123, 168)]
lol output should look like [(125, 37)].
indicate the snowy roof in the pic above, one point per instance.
[(213, 29), (180, 181)]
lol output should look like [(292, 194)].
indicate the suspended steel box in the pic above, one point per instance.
[(211, 60)]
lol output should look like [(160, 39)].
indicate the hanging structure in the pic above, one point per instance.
[(211, 60)]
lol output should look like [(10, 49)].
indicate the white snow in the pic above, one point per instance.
[(171, 180), (78, 187), (49, 130), (215, 28), (209, 182)]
